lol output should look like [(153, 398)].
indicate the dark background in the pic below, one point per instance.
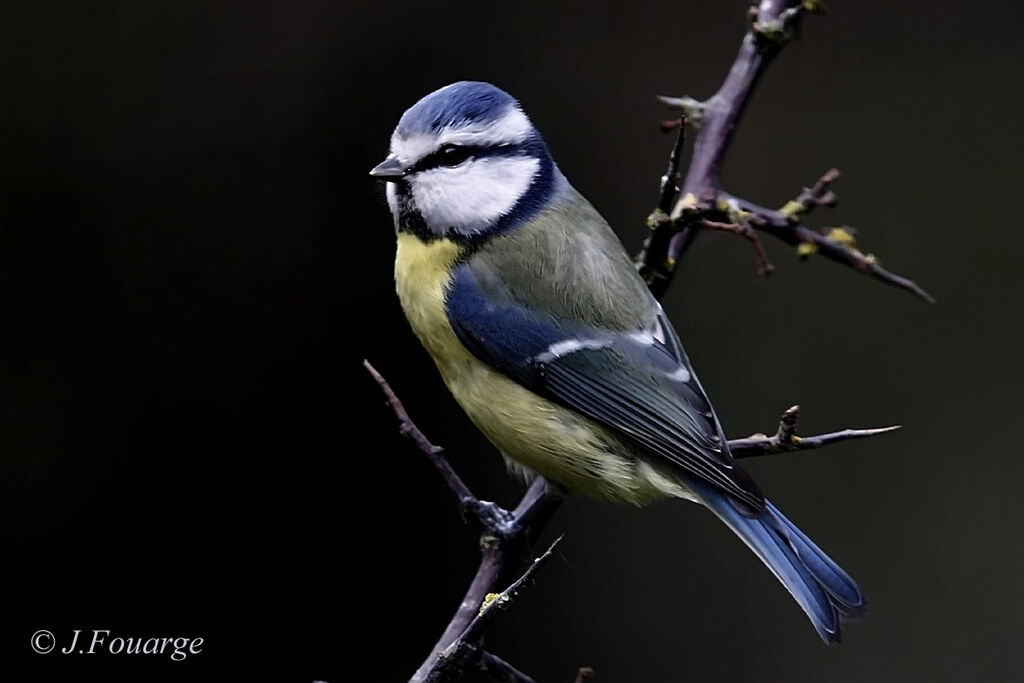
[(193, 264)]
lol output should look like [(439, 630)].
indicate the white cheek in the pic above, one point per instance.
[(471, 197)]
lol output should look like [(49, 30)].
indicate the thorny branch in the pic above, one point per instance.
[(683, 209), (700, 202)]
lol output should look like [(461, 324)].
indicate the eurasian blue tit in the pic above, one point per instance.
[(548, 338)]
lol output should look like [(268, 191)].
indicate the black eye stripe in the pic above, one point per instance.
[(451, 155), (447, 155)]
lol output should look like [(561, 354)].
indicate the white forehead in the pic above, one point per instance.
[(510, 128)]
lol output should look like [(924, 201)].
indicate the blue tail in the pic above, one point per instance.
[(825, 592)]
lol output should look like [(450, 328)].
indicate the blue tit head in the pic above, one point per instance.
[(466, 163)]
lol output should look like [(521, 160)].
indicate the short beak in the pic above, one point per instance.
[(389, 169)]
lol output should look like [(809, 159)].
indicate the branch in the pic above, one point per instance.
[(701, 201), (785, 439), (657, 273), (409, 429), (466, 644), (837, 244)]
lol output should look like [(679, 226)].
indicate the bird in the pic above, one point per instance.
[(550, 341)]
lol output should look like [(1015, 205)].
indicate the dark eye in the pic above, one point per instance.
[(452, 155)]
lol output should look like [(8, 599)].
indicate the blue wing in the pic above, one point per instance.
[(637, 382)]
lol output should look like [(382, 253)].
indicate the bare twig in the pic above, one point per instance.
[(759, 444), (433, 453), (785, 438), (837, 245)]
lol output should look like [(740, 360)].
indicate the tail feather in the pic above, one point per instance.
[(822, 589), (845, 594)]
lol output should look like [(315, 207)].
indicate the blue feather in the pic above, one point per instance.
[(461, 102), (822, 589), (498, 332)]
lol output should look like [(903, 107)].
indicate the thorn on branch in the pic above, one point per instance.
[(693, 110)]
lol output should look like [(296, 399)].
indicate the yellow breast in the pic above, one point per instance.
[(558, 443), (422, 274)]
